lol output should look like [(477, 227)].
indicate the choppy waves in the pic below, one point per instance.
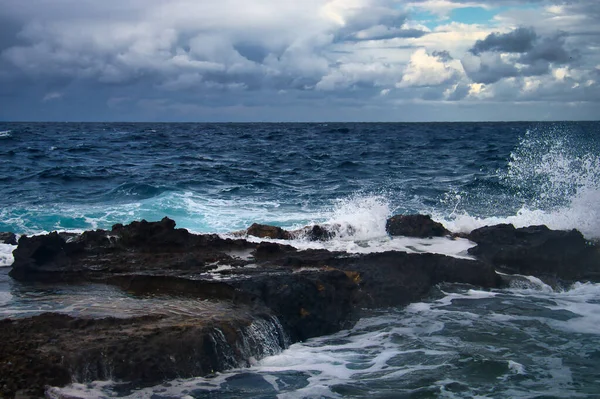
[(466, 176), (552, 175), (466, 343)]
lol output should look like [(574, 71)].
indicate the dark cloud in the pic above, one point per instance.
[(460, 92), (488, 68), (532, 55), (549, 49), (519, 40), (9, 33), (443, 55), (201, 59)]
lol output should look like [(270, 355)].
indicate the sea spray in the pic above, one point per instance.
[(553, 174)]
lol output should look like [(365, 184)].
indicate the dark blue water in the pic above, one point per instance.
[(527, 341), (221, 177)]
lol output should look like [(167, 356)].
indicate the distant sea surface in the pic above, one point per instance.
[(524, 342)]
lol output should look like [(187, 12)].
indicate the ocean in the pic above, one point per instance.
[(525, 341)]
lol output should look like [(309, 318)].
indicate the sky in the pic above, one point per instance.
[(300, 60)]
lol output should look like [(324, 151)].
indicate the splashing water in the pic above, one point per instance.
[(361, 218), (553, 176)]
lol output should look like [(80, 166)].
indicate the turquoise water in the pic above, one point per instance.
[(527, 341)]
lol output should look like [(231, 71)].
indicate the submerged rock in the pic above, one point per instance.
[(415, 226), (538, 251)]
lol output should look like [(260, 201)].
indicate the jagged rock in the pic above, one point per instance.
[(8, 238), (266, 231), (539, 251), (138, 247), (266, 250), (317, 232), (414, 226)]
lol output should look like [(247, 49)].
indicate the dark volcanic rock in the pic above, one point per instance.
[(311, 303), (146, 350), (398, 278), (414, 226), (8, 238), (538, 251), (140, 247), (266, 231), (319, 233), (311, 293)]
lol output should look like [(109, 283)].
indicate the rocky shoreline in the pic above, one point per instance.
[(267, 296)]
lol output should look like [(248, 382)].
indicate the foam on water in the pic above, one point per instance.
[(555, 175), (487, 344), (358, 225), (6, 256)]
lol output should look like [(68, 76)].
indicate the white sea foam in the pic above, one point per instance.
[(5, 133), (6, 256), (459, 336), (557, 178), (358, 225)]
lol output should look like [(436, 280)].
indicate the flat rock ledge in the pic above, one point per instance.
[(265, 296)]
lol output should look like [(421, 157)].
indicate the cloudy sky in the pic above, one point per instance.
[(299, 60)]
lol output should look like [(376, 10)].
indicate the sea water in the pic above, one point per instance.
[(526, 341)]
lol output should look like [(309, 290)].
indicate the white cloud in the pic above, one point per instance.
[(233, 52), (428, 70)]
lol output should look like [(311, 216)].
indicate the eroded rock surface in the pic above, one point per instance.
[(292, 294), (536, 250)]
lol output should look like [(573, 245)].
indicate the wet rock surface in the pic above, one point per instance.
[(415, 226), (552, 255), (290, 294), (61, 349)]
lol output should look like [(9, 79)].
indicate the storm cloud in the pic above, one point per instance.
[(232, 59), (519, 40)]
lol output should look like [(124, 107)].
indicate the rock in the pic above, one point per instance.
[(148, 247), (8, 238), (309, 304), (143, 350), (266, 231), (310, 293), (399, 278), (538, 251), (319, 233), (414, 226), (40, 255)]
